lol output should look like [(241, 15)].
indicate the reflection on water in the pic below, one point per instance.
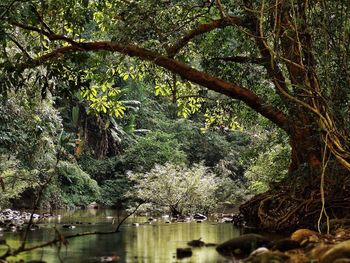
[(146, 243)]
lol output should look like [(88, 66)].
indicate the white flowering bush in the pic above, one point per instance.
[(176, 188)]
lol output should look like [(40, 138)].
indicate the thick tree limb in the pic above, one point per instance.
[(185, 71), (204, 28)]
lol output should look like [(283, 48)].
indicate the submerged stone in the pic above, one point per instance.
[(68, 226), (196, 243), (242, 246), (183, 252)]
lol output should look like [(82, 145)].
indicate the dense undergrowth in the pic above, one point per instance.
[(51, 143)]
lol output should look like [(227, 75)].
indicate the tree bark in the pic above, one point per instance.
[(305, 143)]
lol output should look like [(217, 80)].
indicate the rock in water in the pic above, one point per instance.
[(242, 246), (284, 245), (68, 226), (268, 257), (183, 252), (196, 243), (199, 216), (93, 205), (301, 234), (259, 251), (337, 252)]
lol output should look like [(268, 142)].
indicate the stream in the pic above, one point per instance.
[(138, 241)]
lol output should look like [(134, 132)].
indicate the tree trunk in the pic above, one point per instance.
[(306, 143), (296, 201)]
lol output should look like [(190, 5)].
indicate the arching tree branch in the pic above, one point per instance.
[(185, 71), (204, 28)]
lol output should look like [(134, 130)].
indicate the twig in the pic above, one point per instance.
[(19, 46), (7, 9), (221, 9)]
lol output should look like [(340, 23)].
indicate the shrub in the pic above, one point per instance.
[(99, 170), (77, 186), (176, 188), (14, 180), (28, 143), (113, 191)]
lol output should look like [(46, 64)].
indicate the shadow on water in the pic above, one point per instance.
[(138, 241)]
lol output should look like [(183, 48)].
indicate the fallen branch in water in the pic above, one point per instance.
[(63, 239)]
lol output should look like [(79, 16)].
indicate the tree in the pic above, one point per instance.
[(287, 60), (179, 189)]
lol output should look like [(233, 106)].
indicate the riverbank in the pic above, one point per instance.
[(303, 246)]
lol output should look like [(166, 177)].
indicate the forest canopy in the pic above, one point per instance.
[(285, 60)]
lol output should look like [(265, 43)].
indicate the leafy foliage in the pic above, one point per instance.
[(77, 186), (99, 170), (178, 189), (154, 148), (14, 179), (29, 129), (114, 191), (269, 167), (28, 139)]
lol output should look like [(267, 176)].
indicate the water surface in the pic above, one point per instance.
[(146, 243)]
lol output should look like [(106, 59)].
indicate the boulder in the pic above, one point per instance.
[(268, 257), (318, 252), (242, 246), (259, 251), (284, 245), (301, 234), (342, 260), (337, 252)]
